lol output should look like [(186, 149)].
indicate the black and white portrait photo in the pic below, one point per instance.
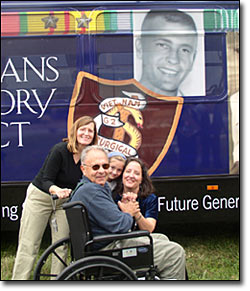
[(169, 52)]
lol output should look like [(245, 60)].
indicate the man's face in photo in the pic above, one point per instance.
[(167, 58)]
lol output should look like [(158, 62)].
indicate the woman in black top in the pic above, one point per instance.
[(59, 175)]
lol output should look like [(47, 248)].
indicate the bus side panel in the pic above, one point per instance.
[(12, 198), (37, 82), (51, 77), (208, 200)]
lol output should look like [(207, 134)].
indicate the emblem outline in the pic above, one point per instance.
[(180, 101)]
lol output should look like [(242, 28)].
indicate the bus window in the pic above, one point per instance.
[(233, 99)]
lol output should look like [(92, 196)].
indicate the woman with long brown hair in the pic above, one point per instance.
[(137, 185), (59, 175)]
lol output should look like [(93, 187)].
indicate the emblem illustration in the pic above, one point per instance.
[(130, 118), (115, 113)]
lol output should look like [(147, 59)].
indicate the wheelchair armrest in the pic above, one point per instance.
[(71, 204), (120, 236)]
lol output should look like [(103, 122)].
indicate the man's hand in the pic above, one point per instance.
[(129, 207), (129, 196)]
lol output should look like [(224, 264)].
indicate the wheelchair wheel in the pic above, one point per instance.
[(97, 268), (53, 255)]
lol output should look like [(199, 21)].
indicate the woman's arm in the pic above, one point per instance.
[(143, 223), (151, 210), (53, 165), (147, 218)]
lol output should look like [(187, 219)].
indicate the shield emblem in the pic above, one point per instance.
[(130, 118)]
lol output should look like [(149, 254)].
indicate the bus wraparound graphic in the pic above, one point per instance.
[(165, 93)]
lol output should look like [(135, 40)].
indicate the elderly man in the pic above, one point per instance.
[(106, 217)]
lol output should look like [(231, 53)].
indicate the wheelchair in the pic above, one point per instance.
[(85, 264)]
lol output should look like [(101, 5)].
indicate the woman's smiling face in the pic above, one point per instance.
[(85, 134), (132, 177)]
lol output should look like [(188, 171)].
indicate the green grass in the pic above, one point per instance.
[(8, 253), (209, 256), (7, 260)]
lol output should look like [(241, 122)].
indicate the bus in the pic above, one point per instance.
[(160, 78)]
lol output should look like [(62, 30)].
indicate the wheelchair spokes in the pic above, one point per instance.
[(97, 268), (53, 261)]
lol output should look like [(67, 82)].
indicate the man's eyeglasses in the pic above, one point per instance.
[(97, 167)]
